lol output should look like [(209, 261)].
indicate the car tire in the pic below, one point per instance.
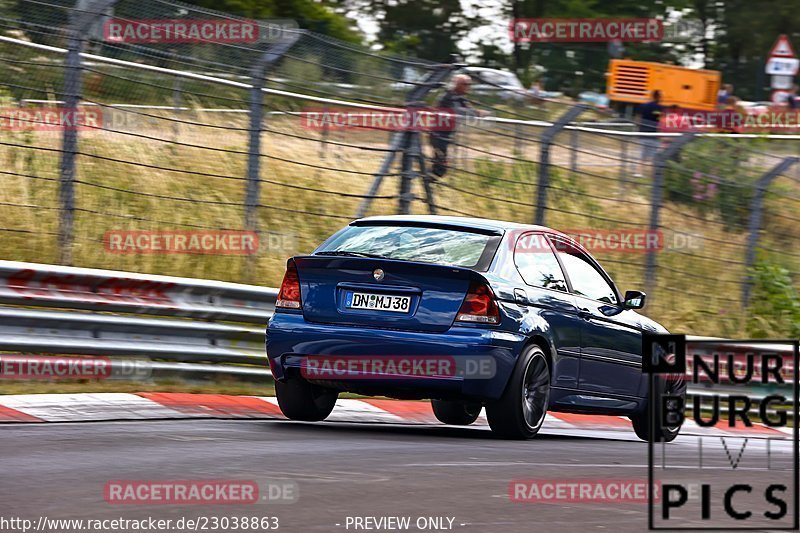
[(301, 400), (520, 411), (671, 385), (456, 413)]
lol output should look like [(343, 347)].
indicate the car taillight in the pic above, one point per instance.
[(289, 295), (479, 306)]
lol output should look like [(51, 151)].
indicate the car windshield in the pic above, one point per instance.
[(412, 243)]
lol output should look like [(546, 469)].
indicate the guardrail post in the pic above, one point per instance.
[(656, 199), (754, 226), (544, 158), (80, 23)]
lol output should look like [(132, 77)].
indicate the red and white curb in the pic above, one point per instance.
[(86, 407)]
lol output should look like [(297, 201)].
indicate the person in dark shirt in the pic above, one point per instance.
[(651, 113), (792, 100), (454, 101), (723, 94), (650, 116)]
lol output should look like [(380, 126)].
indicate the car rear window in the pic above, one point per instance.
[(413, 243)]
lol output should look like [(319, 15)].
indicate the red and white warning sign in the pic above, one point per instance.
[(782, 47), (782, 60), (782, 66)]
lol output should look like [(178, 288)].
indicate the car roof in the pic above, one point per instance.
[(464, 222)]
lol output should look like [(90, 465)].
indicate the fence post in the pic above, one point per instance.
[(623, 167), (754, 227), (656, 199), (406, 174), (573, 154), (427, 181), (518, 133), (80, 23), (270, 56), (177, 102), (544, 158)]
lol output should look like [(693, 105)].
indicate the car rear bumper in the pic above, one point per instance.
[(477, 361)]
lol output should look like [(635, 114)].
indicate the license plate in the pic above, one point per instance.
[(378, 302)]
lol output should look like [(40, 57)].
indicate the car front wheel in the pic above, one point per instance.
[(520, 411)]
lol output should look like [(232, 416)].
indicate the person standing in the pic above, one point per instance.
[(723, 95), (792, 100), (535, 92), (453, 101), (650, 117)]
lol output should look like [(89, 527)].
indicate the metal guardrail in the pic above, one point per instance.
[(216, 324), (183, 325)]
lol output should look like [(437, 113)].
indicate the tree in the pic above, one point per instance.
[(428, 29), (745, 32), (309, 14), (577, 66)]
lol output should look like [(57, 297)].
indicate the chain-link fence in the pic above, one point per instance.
[(189, 138)]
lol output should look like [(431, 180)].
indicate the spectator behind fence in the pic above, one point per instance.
[(792, 100), (453, 100), (650, 116), (723, 95), (535, 93)]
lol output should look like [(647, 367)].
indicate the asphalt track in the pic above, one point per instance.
[(59, 470)]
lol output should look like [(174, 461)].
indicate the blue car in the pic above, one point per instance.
[(467, 312)]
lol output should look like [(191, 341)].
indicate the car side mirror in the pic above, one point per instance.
[(634, 299)]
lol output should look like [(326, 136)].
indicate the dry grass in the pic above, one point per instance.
[(697, 292)]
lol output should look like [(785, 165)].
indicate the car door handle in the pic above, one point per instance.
[(585, 314), (520, 296)]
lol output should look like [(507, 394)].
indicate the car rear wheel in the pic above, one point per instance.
[(456, 413), (520, 411), (665, 386), (301, 400)]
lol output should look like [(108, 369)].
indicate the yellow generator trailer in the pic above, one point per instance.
[(633, 82)]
